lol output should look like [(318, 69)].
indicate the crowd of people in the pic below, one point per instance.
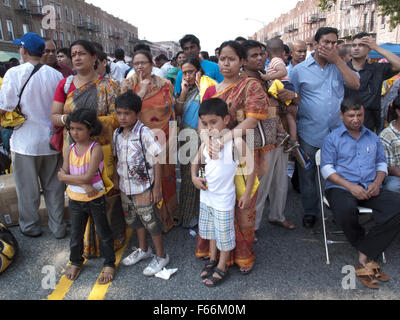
[(230, 122)]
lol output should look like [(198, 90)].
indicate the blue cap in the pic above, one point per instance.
[(32, 42)]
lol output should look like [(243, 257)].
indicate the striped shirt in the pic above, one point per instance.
[(390, 138), (271, 69), (78, 166), (135, 175)]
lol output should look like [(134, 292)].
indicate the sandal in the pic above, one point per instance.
[(284, 136), (245, 270), (378, 272), (208, 268), (216, 281), (366, 276), (73, 272), (105, 280), (292, 145)]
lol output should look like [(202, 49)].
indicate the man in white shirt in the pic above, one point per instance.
[(120, 63), (163, 64), (33, 160)]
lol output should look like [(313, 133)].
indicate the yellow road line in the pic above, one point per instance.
[(62, 287), (99, 291)]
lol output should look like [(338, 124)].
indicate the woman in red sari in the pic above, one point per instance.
[(157, 112), (247, 105)]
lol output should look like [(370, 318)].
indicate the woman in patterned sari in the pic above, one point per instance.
[(89, 90), (247, 105), (157, 113), (194, 84)]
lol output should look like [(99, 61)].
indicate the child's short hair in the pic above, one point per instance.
[(87, 117), (129, 100), (214, 106)]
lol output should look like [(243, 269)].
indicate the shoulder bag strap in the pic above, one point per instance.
[(35, 69)]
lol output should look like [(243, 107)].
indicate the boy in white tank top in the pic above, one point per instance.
[(217, 188)]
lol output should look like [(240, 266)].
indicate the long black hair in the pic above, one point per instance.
[(88, 117)]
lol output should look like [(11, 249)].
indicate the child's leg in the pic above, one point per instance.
[(141, 234), (292, 126), (79, 217), (103, 230), (159, 245)]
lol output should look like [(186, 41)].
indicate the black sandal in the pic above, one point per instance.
[(216, 281), (209, 268)]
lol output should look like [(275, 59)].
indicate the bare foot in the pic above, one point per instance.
[(73, 272), (107, 275)]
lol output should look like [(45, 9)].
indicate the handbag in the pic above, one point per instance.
[(266, 131), (15, 119)]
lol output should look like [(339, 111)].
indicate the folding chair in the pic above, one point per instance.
[(324, 201)]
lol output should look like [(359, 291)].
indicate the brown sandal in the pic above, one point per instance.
[(107, 270), (366, 276), (378, 272)]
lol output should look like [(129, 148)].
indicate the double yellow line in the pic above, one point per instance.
[(98, 291)]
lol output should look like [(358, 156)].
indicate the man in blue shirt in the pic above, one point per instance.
[(191, 47), (354, 163), (320, 83)]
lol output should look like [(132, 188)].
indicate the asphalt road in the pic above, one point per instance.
[(289, 265)]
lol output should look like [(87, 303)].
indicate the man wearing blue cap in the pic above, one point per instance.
[(32, 86)]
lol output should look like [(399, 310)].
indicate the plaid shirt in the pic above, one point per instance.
[(390, 138), (134, 177)]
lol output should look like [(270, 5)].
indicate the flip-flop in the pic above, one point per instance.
[(245, 270), (366, 276), (378, 272), (217, 281), (79, 269), (109, 270)]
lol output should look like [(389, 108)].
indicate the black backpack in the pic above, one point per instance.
[(8, 248)]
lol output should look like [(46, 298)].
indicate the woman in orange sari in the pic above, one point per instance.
[(247, 105), (157, 113), (87, 89)]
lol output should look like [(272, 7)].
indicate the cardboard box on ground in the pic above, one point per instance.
[(9, 203)]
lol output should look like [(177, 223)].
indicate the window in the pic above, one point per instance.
[(371, 27), (72, 17), (62, 39), (55, 36), (25, 28), (80, 18), (22, 4), (59, 13), (66, 14), (6, 3), (69, 39), (1, 31), (43, 33), (10, 30)]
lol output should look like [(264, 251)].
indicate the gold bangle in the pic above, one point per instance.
[(62, 119)]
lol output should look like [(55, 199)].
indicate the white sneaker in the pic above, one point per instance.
[(156, 265), (136, 256)]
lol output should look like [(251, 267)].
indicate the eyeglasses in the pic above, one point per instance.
[(140, 63)]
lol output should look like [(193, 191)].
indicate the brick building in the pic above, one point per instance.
[(349, 16), (73, 20)]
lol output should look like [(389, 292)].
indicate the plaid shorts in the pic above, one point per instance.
[(140, 212), (219, 226)]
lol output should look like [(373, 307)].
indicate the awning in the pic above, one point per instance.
[(7, 55), (395, 48)]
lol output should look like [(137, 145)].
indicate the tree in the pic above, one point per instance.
[(388, 8)]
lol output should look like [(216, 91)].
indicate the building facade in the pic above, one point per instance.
[(64, 21), (349, 16)]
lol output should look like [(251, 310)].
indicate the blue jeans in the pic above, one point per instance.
[(392, 183), (80, 212), (308, 182)]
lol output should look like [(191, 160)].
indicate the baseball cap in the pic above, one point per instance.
[(32, 42)]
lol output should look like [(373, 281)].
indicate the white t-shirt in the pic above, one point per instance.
[(220, 176), (33, 137), (123, 67), (165, 69)]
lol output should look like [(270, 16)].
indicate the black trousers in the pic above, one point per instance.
[(372, 120), (386, 214), (80, 212)]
